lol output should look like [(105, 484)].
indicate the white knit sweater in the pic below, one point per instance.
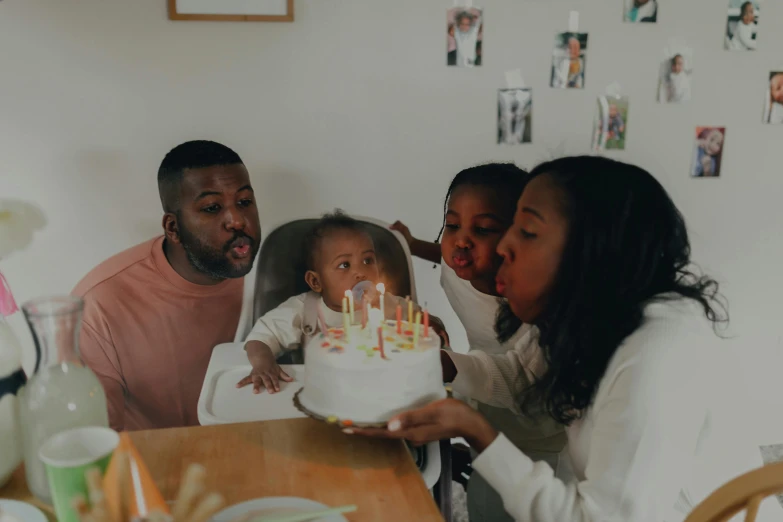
[(644, 451)]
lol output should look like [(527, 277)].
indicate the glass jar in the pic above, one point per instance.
[(62, 393)]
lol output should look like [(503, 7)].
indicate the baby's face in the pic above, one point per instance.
[(747, 15), (464, 24), (612, 111), (346, 257), (776, 87), (713, 143), (677, 65)]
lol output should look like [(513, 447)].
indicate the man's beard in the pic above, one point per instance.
[(214, 262)]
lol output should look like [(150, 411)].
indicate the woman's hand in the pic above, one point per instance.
[(443, 419)]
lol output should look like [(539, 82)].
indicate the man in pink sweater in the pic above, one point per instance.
[(154, 312)]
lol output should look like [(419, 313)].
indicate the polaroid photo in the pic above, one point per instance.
[(674, 78), (610, 123), (707, 152), (742, 25), (773, 102), (515, 115), (568, 61), (641, 11), (464, 26)]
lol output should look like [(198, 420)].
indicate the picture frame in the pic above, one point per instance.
[(232, 10)]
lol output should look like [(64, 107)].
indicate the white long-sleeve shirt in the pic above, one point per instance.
[(644, 451), (743, 37)]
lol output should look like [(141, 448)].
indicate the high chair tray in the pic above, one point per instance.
[(221, 402)]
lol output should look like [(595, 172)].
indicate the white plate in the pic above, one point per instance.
[(275, 506), (20, 511)]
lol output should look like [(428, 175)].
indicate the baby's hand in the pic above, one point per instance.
[(266, 372), (402, 229)]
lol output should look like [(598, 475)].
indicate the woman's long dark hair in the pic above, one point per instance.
[(627, 244)]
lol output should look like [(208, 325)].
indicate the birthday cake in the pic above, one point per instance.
[(366, 374)]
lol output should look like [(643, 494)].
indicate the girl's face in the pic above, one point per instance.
[(475, 221), (747, 14), (532, 249), (713, 143), (464, 24)]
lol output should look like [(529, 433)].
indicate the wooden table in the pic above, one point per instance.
[(292, 457)]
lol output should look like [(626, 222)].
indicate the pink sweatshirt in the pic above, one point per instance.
[(148, 334)]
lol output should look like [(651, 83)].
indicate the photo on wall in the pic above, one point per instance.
[(773, 103), (515, 114), (742, 25), (568, 61), (707, 152), (674, 77), (641, 11), (464, 27), (610, 124)]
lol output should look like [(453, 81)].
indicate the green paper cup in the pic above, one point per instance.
[(67, 456)]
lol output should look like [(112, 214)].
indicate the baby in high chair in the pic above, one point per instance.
[(339, 255)]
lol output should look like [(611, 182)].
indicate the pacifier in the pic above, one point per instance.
[(364, 289)]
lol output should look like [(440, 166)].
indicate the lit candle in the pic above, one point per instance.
[(416, 330), (349, 295), (426, 324), (380, 342), (346, 319), (410, 309), (399, 319), (381, 290)]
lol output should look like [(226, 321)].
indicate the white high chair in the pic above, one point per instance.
[(278, 274)]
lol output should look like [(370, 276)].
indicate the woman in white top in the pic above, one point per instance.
[(598, 260)]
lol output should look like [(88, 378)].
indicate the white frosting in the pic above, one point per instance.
[(349, 380)]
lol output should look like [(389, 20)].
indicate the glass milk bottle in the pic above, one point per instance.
[(12, 378), (62, 393)]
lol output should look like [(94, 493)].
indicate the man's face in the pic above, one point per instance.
[(218, 221)]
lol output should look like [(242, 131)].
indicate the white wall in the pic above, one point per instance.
[(93, 93)]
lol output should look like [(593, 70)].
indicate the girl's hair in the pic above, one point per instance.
[(507, 181), (626, 245)]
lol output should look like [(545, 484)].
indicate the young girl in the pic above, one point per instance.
[(479, 208)]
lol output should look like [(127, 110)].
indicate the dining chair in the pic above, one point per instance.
[(742, 493)]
